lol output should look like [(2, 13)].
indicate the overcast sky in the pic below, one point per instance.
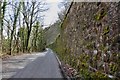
[(52, 14)]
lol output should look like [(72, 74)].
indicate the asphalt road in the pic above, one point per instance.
[(43, 65)]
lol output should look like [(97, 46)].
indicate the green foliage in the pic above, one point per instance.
[(6, 45), (98, 75), (23, 37), (113, 68), (64, 23), (80, 62), (106, 30), (38, 42), (89, 45), (97, 17), (100, 15), (41, 42)]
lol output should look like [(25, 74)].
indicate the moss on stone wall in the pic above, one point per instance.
[(90, 37)]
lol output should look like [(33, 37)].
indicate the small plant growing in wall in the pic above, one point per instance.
[(100, 14)]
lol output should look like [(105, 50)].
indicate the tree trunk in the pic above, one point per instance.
[(36, 38), (14, 26), (1, 24), (30, 27), (17, 43), (10, 45), (27, 41), (0, 31)]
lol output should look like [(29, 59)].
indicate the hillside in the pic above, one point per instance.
[(52, 32)]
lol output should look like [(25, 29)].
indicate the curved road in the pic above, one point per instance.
[(42, 65)]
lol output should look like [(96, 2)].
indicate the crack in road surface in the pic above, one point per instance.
[(36, 65)]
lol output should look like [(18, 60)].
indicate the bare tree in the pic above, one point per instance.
[(2, 13), (30, 13), (18, 24), (16, 13)]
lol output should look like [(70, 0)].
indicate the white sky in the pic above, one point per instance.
[(52, 14)]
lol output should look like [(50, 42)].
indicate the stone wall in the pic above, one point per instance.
[(92, 29)]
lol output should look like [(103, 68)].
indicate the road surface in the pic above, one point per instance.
[(37, 65)]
